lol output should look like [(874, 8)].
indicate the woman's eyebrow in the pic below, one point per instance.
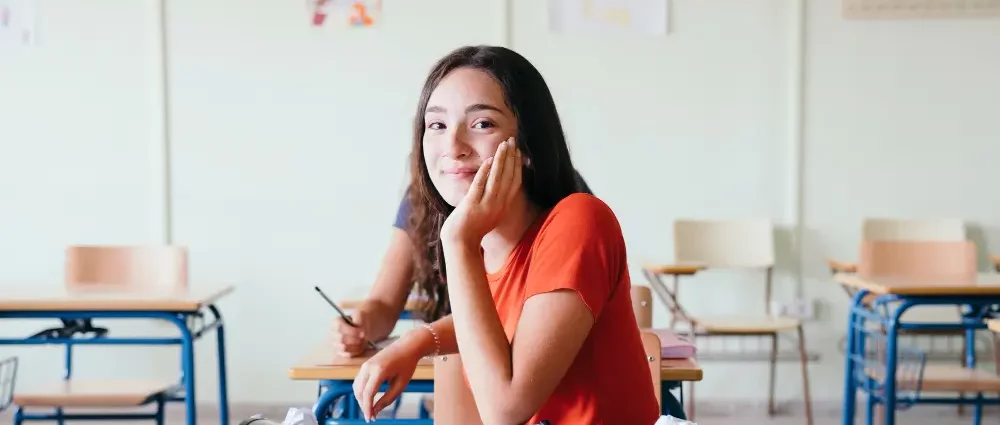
[(471, 108)]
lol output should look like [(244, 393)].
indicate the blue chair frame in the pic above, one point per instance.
[(183, 392), (336, 404), (974, 310)]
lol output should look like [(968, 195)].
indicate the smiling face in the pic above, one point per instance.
[(465, 121)]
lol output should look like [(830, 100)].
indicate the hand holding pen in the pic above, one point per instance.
[(348, 334)]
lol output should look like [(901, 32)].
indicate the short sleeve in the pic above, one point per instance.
[(580, 247), (403, 212)]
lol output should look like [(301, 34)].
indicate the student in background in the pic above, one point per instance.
[(537, 277)]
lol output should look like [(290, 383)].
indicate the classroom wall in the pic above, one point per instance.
[(288, 145)]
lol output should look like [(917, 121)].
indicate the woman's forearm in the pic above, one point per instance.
[(393, 284), (486, 352), (379, 319)]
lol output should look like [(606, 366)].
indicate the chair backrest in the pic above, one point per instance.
[(918, 259), (724, 243), (642, 306), (892, 229), (653, 348), (453, 401), (157, 266)]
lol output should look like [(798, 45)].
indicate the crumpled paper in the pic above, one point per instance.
[(294, 417), (298, 416), (670, 420)]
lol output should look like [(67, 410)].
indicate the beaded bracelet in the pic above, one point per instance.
[(437, 342)]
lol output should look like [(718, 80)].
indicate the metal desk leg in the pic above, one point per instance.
[(223, 383), (891, 365), (850, 381), (187, 368)]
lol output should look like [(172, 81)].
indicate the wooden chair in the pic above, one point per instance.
[(642, 306), (927, 260), (894, 229), (747, 245), (159, 266), (456, 406), (914, 230)]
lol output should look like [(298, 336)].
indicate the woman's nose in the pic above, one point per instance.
[(457, 144)]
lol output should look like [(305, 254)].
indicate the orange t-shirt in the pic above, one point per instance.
[(578, 245)]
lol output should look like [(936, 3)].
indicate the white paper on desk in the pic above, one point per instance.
[(609, 17), (298, 416), (385, 342), (670, 420), (17, 22)]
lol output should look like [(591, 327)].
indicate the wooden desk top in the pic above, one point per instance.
[(994, 324), (983, 284), (98, 297), (322, 363)]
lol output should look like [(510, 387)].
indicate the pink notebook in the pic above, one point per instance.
[(673, 346)]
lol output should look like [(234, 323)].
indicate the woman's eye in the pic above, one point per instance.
[(435, 126), (483, 124)]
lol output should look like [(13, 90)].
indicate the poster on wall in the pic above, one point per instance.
[(904, 9), (17, 22), (609, 17), (346, 13)]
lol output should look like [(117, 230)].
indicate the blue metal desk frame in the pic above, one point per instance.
[(975, 309), (334, 392), (183, 392)]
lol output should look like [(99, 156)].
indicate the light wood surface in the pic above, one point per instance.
[(322, 363), (675, 269), (746, 325), (948, 378), (107, 297), (994, 324), (982, 284), (651, 345), (642, 305), (841, 266), (79, 393), (149, 265)]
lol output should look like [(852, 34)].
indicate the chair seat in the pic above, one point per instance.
[(947, 378), (746, 325), (82, 393)]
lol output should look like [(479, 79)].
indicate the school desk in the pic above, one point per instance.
[(76, 307), (904, 368), (336, 379), (994, 325)]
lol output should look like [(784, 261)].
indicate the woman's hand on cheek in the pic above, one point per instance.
[(496, 184)]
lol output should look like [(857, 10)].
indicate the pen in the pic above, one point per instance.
[(347, 319)]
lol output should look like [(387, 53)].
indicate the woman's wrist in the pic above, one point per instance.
[(421, 342)]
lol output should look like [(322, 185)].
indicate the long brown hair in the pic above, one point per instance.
[(548, 179)]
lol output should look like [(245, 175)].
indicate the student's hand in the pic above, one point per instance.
[(349, 341), (395, 364), (496, 184)]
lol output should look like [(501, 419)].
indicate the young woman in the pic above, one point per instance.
[(377, 315), (536, 273)]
